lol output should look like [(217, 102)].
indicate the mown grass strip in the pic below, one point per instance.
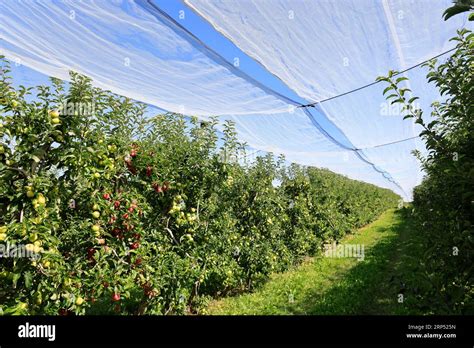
[(324, 285)]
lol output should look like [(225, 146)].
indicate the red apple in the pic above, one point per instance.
[(131, 168), (158, 188), (90, 253), (63, 312)]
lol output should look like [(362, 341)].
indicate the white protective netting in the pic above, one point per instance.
[(134, 49), (321, 49)]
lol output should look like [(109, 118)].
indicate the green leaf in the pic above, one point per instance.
[(387, 89), (400, 79), (422, 133), (35, 158), (402, 91), (15, 278), (28, 279), (456, 9), (399, 100)]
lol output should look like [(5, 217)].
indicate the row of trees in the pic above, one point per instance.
[(126, 214), (443, 204)]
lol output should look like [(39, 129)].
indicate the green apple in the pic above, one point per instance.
[(30, 193), (46, 264), (54, 113), (41, 199), (38, 299)]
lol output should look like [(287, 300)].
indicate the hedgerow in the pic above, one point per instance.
[(443, 204), (149, 215)]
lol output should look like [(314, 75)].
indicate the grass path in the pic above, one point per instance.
[(324, 285)]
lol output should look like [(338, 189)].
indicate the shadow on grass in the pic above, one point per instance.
[(374, 284)]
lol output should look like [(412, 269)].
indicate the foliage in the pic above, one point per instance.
[(342, 285), (137, 215), (444, 202), (459, 6)]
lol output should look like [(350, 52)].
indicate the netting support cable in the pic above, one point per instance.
[(390, 143), (312, 105)]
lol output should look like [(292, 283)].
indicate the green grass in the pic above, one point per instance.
[(324, 285)]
